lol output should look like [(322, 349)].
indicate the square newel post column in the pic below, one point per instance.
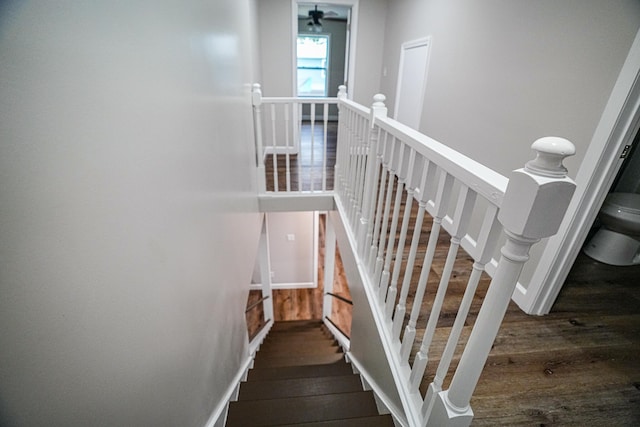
[(378, 109), (256, 100), (534, 204)]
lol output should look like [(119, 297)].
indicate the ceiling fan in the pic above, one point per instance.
[(316, 17), (315, 20)]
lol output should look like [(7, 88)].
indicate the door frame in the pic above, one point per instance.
[(423, 41), (618, 125), (350, 49)]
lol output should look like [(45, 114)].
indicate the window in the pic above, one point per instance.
[(313, 62)]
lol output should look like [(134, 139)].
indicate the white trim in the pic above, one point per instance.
[(218, 417), (424, 41), (291, 285), (256, 342), (351, 49), (343, 341), (617, 127), (381, 397)]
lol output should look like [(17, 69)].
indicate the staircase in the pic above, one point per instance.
[(300, 378)]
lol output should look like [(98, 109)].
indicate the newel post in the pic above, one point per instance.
[(256, 100), (534, 204), (337, 168), (378, 109)]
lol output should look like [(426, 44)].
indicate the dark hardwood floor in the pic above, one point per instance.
[(305, 169)]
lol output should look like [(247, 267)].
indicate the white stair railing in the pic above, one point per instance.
[(380, 163), (292, 142), (388, 177)]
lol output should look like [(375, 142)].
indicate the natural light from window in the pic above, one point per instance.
[(313, 58)]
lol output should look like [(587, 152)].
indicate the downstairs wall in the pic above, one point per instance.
[(128, 210)]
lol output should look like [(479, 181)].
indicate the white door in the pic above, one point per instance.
[(412, 75)]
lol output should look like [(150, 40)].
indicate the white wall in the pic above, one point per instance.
[(275, 30), (292, 261), (369, 51), (504, 73), (128, 213)]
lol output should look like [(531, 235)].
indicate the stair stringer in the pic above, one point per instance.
[(384, 403)]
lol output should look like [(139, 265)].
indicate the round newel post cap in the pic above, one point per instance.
[(550, 152), (256, 86), (378, 100)]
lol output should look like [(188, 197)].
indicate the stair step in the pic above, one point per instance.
[(297, 360), (297, 410), (285, 349), (302, 371), (374, 421), (314, 335), (277, 389), (293, 325)]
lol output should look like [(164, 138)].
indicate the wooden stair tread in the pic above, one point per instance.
[(301, 371), (276, 389), (297, 410), (317, 334), (297, 351), (373, 421), (291, 325), (296, 360)]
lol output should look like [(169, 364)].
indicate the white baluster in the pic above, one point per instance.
[(485, 246), (384, 280), (274, 155), (372, 170), (313, 132), (441, 203), (533, 207), (389, 165), (461, 217), (299, 156), (393, 289), (256, 98), (324, 146), (286, 139), (379, 206), (428, 172)]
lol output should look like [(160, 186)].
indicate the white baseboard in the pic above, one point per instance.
[(383, 402), (298, 285), (218, 417)]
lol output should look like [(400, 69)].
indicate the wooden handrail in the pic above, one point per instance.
[(252, 306), (341, 298), (336, 326)]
